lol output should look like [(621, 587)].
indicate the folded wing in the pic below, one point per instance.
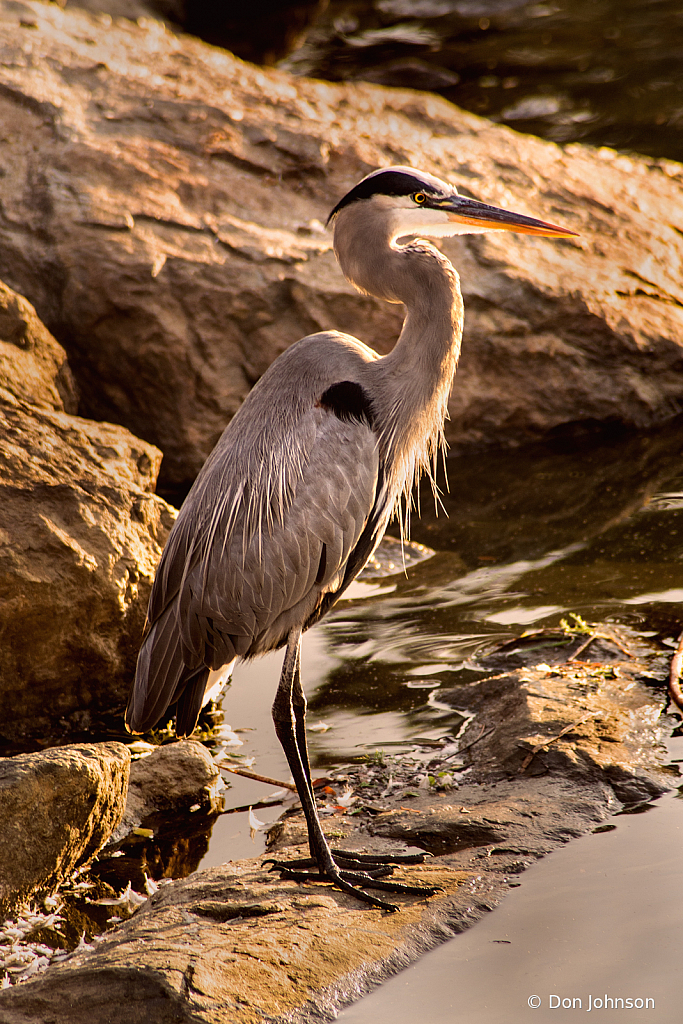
[(266, 541)]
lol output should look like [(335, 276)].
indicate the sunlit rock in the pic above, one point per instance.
[(164, 210), (58, 808), (80, 536)]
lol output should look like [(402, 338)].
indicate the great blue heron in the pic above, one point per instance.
[(299, 489)]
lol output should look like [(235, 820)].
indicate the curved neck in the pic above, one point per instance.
[(413, 382)]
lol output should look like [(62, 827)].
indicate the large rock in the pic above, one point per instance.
[(58, 808), (80, 537), (163, 207)]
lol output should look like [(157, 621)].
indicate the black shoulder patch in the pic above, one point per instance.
[(386, 183), (348, 401)]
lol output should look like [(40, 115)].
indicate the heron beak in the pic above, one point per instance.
[(490, 218)]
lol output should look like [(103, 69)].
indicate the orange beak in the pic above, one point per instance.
[(470, 211)]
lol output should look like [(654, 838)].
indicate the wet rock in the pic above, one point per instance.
[(566, 713), (173, 240), (235, 943), (58, 808), (175, 778), (174, 796), (80, 537)]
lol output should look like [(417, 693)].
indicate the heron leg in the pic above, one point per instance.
[(299, 705), (289, 717)]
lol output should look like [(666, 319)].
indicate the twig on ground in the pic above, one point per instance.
[(257, 778), (563, 732), (484, 732), (599, 636), (252, 806)]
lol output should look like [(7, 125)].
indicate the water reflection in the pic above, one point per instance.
[(588, 525), (511, 505), (606, 72)]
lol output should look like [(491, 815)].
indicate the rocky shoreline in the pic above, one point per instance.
[(553, 749), (161, 241)]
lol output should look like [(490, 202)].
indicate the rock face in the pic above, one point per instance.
[(33, 366), (174, 778), (80, 536), (163, 207), (58, 808)]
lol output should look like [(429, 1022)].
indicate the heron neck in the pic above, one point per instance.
[(413, 382)]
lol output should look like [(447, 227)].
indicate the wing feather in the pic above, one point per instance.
[(241, 565)]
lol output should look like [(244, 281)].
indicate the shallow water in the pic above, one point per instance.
[(598, 920), (590, 526)]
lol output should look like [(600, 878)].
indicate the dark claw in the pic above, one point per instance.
[(352, 872), (301, 862), (370, 868), (380, 858), (372, 882), (345, 864), (340, 880), (351, 881), (375, 865)]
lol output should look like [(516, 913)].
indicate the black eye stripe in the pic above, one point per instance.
[(389, 183)]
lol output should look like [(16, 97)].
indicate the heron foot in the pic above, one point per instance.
[(370, 872), (343, 863)]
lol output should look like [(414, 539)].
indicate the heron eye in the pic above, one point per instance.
[(419, 198)]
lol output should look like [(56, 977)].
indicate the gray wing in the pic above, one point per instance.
[(264, 542)]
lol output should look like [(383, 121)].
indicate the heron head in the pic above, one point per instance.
[(417, 203)]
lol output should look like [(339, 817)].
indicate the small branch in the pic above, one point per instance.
[(579, 650), (675, 675), (484, 732), (599, 636), (257, 778), (247, 807), (541, 746)]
